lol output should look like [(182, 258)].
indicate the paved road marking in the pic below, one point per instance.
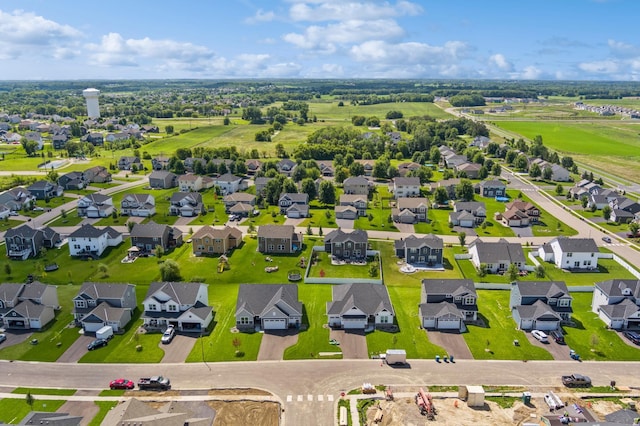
[(299, 398), (309, 397), (330, 398), (289, 398), (320, 398)]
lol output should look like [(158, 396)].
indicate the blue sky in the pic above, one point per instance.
[(136, 39)]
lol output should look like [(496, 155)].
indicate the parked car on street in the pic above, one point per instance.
[(97, 343), (557, 337), (633, 336), (541, 336), (606, 239), (168, 335), (3, 337), (122, 384)]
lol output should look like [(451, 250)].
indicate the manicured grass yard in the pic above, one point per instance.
[(9, 223), (43, 391), (323, 265), (14, 410), (609, 269), (498, 336), (379, 211), (105, 407)]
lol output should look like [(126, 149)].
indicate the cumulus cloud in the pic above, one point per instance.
[(501, 62), (22, 33), (318, 11), (261, 16), (599, 67), (116, 50), (624, 50), (409, 52), (531, 73)]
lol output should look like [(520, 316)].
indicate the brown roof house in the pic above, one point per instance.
[(210, 240), (275, 239)]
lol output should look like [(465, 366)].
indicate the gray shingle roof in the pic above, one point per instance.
[(104, 290), (624, 309), (536, 311), (412, 241), (615, 287), (148, 230), (276, 231), (339, 236), (87, 231), (548, 289), (492, 252), (577, 245), (257, 299), (454, 287), (369, 298), (440, 310), (183, 293), (412, 202)]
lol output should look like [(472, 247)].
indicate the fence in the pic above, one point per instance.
[(333, 280)]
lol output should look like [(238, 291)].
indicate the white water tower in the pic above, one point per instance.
[(93, 108)]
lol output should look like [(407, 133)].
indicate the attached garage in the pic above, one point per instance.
[(449, 324), (429, 322), (274, 324), (353, 322)]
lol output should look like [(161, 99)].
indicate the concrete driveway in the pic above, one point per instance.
[(13, 338), (522, 231), (179, 348), (294, 221), (77, 349), (452, 342), (345, 223), (404, 227), (558, 352), (274, 344), (352, 342)]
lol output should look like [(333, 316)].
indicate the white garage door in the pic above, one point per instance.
[(354, 323), (449, 324), (546, 325), (92, 327), (275, 324), (429, 323)]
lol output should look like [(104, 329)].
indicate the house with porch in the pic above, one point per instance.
[(420, 251), (617, 303), (360, 307), (540, 305), (446, 304), (28, 306), (294, 205), (268, 307), (23, 242), (184, 305), (496, 256), (99, 304), (347, 246)]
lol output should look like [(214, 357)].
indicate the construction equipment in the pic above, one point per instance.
[(425, 404)]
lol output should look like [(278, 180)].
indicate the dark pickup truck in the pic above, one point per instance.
[(154, 383), (576, 381)]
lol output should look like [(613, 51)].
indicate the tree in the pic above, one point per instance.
[(584, 200), (441, 196), (7, 269), (567, 162), (380, 168), (513, 272), (103, 269), (170, 270), (320, 231), (462, 238), (358, 120), (496, 170), (30, 147), (280, 151), (356, 169), (521, 162), (373, 122), (464, 190), (559, 189), (547, 173), (252, 114), (539, 271), (534, 170), (29, 399), (226, 121), (634, 227), (309, 230), (327, 192), (606, 213), (308, 187), (168, 129)]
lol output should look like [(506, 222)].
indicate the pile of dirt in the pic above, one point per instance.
[(602, 408), (232, 413)]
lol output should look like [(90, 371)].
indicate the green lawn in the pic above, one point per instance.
[(105, 407), (14, 410), (378, 211), (43, 391), (9, 223), (324, 217), (324, 268), (495, 341), (609, 269)]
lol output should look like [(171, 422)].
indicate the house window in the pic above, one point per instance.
[(569, 254), (153, 307), (384, 319), (244, 320), (586, 263), (413, 250), (270, 247), (172, 308), (80, 304), (280, 247), (469, 300), (564, 302), (592, 254)]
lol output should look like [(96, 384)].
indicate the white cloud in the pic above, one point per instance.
[(599, 67), (410, 53), (261, 16), (624, 50), (318, 11), (531, 73), (116, 50), (501, 62), (23, 33), (326, 38)]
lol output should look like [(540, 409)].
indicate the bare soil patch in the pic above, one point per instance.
[(239, 391), (256, 413)]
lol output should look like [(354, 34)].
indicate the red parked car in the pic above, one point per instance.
[(122, 384)]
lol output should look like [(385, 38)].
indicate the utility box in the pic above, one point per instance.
[(526, 398), (105, 333), (396, 356), (474, 395)]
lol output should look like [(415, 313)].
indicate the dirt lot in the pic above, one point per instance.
[(246, 413)]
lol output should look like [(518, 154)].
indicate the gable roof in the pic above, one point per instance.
[(413, 241), (548, 289), (276, 231), (211, 232), (369, 298), (355, 180), (492, 252), (148, 230), (453, 287), (105, 290), (339, 236), (258, 299), (88, 231), (576, 245), (538, 310), (440, 310), (183, 293), (624, 309), (617, 287), (406, 181)]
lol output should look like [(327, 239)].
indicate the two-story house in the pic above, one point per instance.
[(246, 200), (186, 204), (358, 202), (532, 212), (348, 246), (356, 185), (97, 174), (405, 187), (468, 214), (275, 239), (617, 303), (468, 170), (161, 162), (184, 305), (210, 241), (360, 306), (286, 167), (95, 205), (294, 205), (44, 190), (23, 242), (129, 162), (140, 205), (571, 253), (491, 188), (100, 304), (261, 184), (28, 306), (16, 198), (425, 251), (540, 305), (72, 180), (410, 210), (190, 183), (147, 236), (162, 179), (268, 307), (90, 241), (229, 183), (496, 256), (446, 304)]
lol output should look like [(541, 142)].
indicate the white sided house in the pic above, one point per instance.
[(617, 303), (181, 304), (360, 307), (91, 241), (571, 253)]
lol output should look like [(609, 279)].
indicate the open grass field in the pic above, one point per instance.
[(324, 268), (14, 410), (328, 109)]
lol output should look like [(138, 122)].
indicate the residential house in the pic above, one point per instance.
[(210, 240), (186, 204), (584, 188), (161, 162), (540, 305), (468, 213), (190, 163), (286, 167), (602, 198), (15, 199), (621, 216), (279, 239), (162, 179), (529, 209), (94, 138), (246, 200), (4, 212), (513, 218), (449, 185), (496, 256), (360, 306), (97, 174), (90, 241), (59, 140), (426, 251), (617, 303), (356, 185), (72, 180), (480, 142), (23, 242), (229, 183), (410, 210), (261, 184), (405, 168), (140, 205), (104, 304), (326, 168), (268, 307), (28, 306), (129, 163), (190, 182), (44, 190), (147, 236), (571, 253), (624, 210), (95, 205), (368, 166), (446, 304), (294, 205), (405, 187), (346, 212), (358, 202), (35, 137), (558, 173), (184, 305), (253, 166), (491, 188), (470, 170), (453, 160), (347, 246)]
